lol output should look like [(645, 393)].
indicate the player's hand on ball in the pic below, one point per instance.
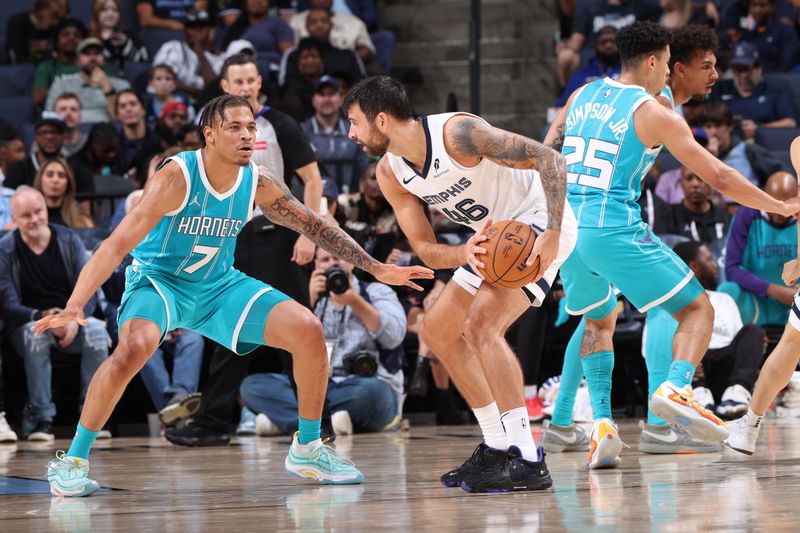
[(473, 248), (545, 248), (58, 320), (396, 275)]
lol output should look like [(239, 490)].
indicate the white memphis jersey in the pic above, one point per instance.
[(469, 195)]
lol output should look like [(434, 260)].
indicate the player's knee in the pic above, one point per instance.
[(308, 328), (430, 333), (133, 351), (478, 330)]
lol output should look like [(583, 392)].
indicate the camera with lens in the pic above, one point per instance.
[(337, 280), (361, 363)]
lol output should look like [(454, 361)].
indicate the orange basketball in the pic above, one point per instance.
[(508, 247)]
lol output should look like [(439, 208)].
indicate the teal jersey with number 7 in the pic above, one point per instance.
[(606, 161), (196, 241)]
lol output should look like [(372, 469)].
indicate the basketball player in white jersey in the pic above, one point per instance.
[(473, 173)]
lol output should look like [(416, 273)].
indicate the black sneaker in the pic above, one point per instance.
[(42, 432), (517, 474), (483, 459), (194, 435)]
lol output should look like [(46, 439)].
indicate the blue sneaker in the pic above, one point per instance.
[(69, 476), (316, 460), (247, 423)]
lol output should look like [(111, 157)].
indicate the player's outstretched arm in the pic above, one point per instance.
[(657, 125), (163, 193), (281, 207)]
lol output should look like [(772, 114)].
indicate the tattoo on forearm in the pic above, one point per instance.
[(288, 211), (558, 143), (474, 138)]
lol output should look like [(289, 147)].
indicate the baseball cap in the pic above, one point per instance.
[(172, 105), (51, 118), (198, 17), (87, 43), (745, 55), (328, 81)]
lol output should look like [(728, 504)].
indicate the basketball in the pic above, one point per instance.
[(508, 246)]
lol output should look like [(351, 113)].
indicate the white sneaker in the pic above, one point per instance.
[(703, 396), (582, 411), (341, 422), (605, 445), (103, 434), (735, 401), (6, 433), (266, 427), (742, 436)]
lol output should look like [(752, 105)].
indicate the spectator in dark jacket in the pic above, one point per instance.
[(29, 35), (39, 266), (696, 216)]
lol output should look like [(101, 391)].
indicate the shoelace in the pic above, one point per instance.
[(61, 462), (331, 457)]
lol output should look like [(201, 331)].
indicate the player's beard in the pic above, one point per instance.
[(378, 143)]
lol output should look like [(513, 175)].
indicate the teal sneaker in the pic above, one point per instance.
[(316, 460), (69, 476)]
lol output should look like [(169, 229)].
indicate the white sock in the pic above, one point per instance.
[(753, 419), (491, 427), (518, 430), (530, 391)]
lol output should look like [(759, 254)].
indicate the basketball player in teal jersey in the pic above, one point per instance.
[(692, 76), (611, 132), (184, 231)]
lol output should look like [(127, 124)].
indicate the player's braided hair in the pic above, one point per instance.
[(687, 41), (380, 94), (215, 111), (639, 40)]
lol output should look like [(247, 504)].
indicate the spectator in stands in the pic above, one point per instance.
[(193, 58), (96, 89), (696, 216), (605, 63), (39, 265), (57, 184), (101, 155), (341, 158), (361, 320), (169, 391), (68, 105), (753, 161), (48, 141), (669, 188), (348, 31), (370, 219), (282, 146), (758, 246), (106, 25), (135, 133), (336, 59), (162, 88), (69, 34), (29, 35), (269, 34), (753, 100), (304, 67), (730, 366), (776, 41), (590, 19), (12, 150), (189, 140), (163, 14)]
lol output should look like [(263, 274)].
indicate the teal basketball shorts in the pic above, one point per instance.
[(231, 310), (632, 259)]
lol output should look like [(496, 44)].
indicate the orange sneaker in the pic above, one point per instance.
[(677, 406), (605, 445)]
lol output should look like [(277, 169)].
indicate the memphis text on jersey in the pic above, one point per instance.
[(447, 194), (209, 226)]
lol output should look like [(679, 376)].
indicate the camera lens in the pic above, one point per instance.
[(337, 280)]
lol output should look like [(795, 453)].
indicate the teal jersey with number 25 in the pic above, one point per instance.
[(606, 161), (196, 241)]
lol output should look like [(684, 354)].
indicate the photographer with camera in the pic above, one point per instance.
[(364, 327)]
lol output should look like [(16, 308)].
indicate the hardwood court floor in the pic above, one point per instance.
[(160, 487)]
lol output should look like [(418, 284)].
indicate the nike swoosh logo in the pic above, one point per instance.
[(572, 440), (407, 181), (672, 439)]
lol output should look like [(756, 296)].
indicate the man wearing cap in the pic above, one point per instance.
[(750, 98), (341, 158), (48, 143), (95, 88), (69, 34)]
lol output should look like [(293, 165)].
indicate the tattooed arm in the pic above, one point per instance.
[(281, 207), (468, 139)]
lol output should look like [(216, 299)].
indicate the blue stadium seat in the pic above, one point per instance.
[(16, 109), (11, 8), (776, 139), (137, 74), (153, 38), (16, 80)]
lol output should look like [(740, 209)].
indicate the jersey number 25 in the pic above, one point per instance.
[(586, 155)]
